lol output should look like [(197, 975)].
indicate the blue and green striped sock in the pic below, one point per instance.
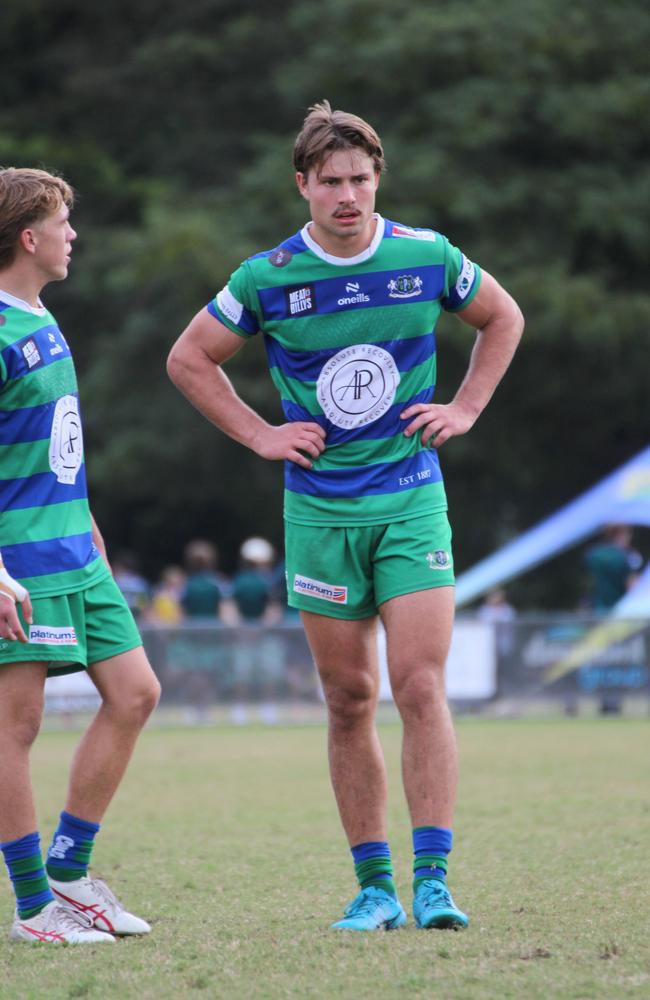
[(69, 854), (431, 847), (373, 865), (25, 863)]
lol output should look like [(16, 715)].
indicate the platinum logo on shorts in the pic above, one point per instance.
[(323, 591), (52, 635)]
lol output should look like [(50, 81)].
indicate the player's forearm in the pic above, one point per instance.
[(493, 351), (210, 391)]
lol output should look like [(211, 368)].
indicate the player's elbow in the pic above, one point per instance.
[(178, 364), (514, 318)]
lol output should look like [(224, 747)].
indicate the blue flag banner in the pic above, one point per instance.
[(622, 497)]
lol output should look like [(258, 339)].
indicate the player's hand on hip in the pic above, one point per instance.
[(12, 592), (437, 422), (298, 441)]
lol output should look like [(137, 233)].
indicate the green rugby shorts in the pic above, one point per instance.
[(73, 631), (349, 572)]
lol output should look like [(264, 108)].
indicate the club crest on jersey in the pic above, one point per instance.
[(406, 286), (439, 559), (31, 353), (300, 301), (280, 257)]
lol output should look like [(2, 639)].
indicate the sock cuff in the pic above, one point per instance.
[(371, 849), (82, 825), (432, 840), (22, 847)]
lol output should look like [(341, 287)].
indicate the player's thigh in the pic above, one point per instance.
[(127, 681), (345, 654), (418, 634), (21, 698)]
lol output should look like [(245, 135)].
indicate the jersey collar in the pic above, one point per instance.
[(13, 300), (346, 261)]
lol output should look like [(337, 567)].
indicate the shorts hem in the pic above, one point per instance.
[(415, 589), (117, 651), (340, 612)]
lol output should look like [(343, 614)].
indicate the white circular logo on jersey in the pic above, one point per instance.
[(66, 446), (357, 385)]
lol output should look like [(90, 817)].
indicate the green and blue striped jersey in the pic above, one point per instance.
[(350, 344), (45, 527)]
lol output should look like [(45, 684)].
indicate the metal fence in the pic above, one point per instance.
[(551, 657)]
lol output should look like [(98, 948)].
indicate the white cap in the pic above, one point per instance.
[(257, 550)]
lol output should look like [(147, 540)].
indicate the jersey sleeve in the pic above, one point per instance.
[(462, 279), (237, 304)]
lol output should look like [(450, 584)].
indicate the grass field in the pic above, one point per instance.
[(227, 841)]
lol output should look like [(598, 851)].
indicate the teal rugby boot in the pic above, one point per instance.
[(434, 907), (372, 910)]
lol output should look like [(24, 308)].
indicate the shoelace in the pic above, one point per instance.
[(100, 887), (437, 894), (361, 906), (65, 918)]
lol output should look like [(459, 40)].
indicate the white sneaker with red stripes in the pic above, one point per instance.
[(93, 898), (59, 925)]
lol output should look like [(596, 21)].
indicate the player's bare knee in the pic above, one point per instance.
[(134, 705), (417, 690), (23, 728), (349, 704)]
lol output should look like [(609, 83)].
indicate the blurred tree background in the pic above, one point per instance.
[(519, 129)]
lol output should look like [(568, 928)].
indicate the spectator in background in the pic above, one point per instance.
[(259, 655), (206, 593), (134, 587), (166, 608), (497, 610), (253, 588), (612, 567)]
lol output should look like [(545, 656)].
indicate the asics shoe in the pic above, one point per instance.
[(372, 910), (59, 925), (434, 907), (92, 897)]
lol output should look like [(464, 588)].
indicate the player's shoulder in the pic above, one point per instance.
[(427, 242), (279, 257), (400, 231)]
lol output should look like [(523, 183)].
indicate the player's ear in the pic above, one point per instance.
[(27, 240), (301, 181)]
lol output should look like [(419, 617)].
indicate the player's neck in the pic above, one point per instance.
[(346, 246), (23, 283)]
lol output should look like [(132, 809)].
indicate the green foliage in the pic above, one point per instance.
[(518, 129)]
